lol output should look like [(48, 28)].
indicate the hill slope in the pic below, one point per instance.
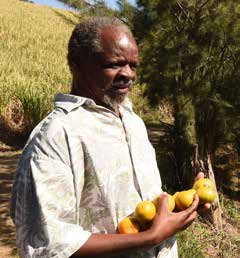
[(33, 49)]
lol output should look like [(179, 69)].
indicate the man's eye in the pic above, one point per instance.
[(115, 65), (111, 65)]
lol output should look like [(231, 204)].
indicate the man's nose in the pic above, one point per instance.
[(128, 72)]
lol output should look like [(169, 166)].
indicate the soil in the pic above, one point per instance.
[(8, 161)]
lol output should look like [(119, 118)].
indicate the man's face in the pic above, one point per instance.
[(111, 73)]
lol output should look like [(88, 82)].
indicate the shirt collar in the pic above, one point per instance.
[(69, 102)]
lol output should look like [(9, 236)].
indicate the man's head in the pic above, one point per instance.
[(102, 56)]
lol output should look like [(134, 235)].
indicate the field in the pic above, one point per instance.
[(33, 60), (33, 48)]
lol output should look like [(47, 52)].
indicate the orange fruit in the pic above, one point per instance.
[(128, 225), (145, 211), (206, 195), (175, 195), (184, 199), (171, 202), (203, 182)]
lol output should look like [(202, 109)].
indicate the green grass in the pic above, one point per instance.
[(202, 240)]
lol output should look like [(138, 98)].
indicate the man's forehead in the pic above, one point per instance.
[(116, 36), (116, 33)]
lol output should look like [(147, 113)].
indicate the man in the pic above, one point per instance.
[(89, 162)]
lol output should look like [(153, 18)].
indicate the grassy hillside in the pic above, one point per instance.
[(33, 58)]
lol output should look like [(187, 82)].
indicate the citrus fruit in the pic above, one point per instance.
[(145, 211), (128, 225), (206, 195), (175, 195), (203, 182), (171, 202), (184, 199)]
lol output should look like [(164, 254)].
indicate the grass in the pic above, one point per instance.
[(33, 49), (202, 240)]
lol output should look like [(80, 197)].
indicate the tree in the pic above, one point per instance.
[(92, 8), (190, 56)]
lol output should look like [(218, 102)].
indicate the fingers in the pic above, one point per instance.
[(198, 176), (204, 208), (163, 203), (193, 206), (207, 206), (190, 219)]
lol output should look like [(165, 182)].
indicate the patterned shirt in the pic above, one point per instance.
[(82, 170)]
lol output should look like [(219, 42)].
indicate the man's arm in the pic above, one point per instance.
[(165, 225)]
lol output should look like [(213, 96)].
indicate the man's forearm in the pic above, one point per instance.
[(99, 245)]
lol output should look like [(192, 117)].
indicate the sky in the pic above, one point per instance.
[(58, 4), (112, 3)]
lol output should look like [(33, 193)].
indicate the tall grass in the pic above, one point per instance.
[(33, 45)]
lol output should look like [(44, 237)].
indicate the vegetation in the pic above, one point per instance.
[(33, 59), (201, 240), (190, 56)]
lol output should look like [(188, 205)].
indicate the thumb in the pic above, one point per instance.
[(163, 203), (199, 176)]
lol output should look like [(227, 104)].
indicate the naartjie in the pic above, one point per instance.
[(171, 202), (145, 211), (206, 194), (128, 225), (203, 182), (184, 199), (175, 195)]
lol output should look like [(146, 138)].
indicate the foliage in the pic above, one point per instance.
[(190, 54), (126, 12), (95, 8), (141, 105)]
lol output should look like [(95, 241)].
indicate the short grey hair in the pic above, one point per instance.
[(86, 38)]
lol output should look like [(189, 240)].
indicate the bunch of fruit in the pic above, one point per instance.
[(146, 210)]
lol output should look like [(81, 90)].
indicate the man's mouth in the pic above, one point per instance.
[(122, 86)]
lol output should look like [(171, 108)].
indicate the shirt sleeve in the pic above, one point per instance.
[(45, 203)]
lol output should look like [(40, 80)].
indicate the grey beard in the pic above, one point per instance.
[(111, 99), (113, 102)]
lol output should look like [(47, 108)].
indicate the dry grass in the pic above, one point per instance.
[(33, 45)]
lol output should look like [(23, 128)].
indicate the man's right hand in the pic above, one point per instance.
[(167, 223)]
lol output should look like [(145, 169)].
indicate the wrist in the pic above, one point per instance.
[(152, 237), (155, 235)]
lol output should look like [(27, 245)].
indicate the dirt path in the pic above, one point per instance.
[(8, 162)]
